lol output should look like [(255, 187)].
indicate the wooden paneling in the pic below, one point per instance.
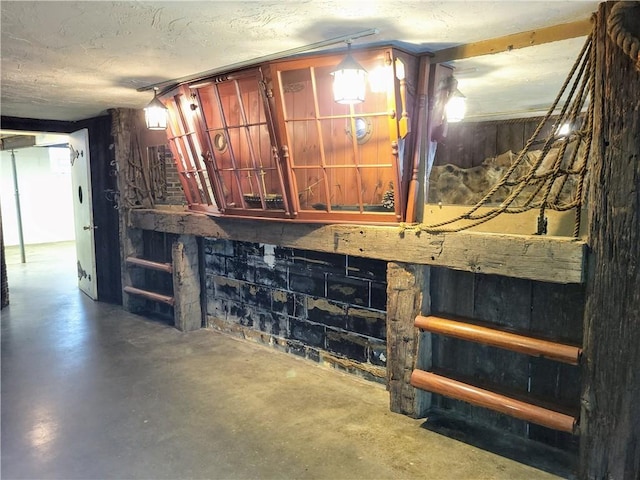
[(521, 306), (103, 181), (468, 144)]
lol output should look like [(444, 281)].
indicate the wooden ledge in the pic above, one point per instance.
[(547, 259)]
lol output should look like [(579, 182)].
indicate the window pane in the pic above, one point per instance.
[(304, 143), (230, 105), (297, 94), (312, 188), (210, 108), (251, 100), (338, 146), (324, 86)]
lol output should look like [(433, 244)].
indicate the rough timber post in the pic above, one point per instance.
[(610, 420), (186, 284), (407, 296), (123, 125)]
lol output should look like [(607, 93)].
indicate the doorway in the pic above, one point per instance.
[(39, 211)]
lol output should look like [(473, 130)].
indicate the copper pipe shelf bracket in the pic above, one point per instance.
[(157, 297), (141, 262), (494, 401), (509, 341)]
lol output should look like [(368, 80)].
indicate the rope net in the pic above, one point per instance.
[(554, 179)]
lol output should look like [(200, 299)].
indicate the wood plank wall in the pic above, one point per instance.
[(540, 309), (468, 144), (103, 181)]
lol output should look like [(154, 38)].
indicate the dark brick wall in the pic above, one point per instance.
[(326, 307), (170, 192)]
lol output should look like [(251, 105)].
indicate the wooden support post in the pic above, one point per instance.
[(407, 295), (610, 420), (187, 311), (123, 121)]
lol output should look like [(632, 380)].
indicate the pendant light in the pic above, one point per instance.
[(156, 113), (349, 80)]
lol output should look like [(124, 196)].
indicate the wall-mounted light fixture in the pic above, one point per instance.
[(450, 107), (156, 113), (349, 80), (456, 106)]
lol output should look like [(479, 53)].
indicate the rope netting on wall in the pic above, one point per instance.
[(554, 178)]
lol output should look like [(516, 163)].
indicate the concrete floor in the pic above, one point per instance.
[(90, 391)]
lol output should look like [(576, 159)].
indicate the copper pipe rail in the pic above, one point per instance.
[(157, 297), (497, 338), (141, 262), (494, 401)]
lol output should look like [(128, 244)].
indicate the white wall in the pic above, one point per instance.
[(44, 181)]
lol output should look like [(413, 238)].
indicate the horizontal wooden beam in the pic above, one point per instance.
[(507, 43), (432, 382), (464, 330), (547, 259)]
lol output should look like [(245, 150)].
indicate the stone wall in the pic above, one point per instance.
[(325, 307)]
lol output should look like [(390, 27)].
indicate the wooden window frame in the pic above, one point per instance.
[(202, 169)]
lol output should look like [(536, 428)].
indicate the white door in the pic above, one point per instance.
[(83, 212)]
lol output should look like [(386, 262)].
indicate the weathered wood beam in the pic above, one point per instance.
[(187, 312), (123, 125), (514, 41), (610, 419), (548, 259), (408, 288)]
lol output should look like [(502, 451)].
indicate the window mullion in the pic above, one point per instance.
[(232, 157), (355, 151), (209, 158), (274, 143), (258, 170), (175, 135), (194, 152), (323, 160)]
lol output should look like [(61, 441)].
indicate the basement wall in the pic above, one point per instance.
[(551, 311), (325, 307)]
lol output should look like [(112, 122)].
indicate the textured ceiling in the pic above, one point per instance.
[(74, 60)]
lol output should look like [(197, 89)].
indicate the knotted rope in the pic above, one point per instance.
[(581, 86), (629, 44)]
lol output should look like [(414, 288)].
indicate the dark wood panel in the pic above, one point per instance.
[(510, 137), (103, 183), (37, 125), (518, 305), (468, 144), (610, 446)]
